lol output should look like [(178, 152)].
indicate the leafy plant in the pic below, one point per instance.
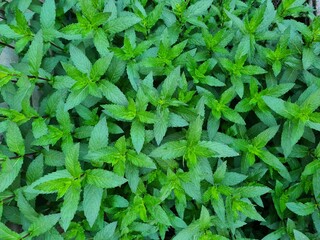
[(159, 120)]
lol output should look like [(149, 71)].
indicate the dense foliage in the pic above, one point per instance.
[(160, 119)]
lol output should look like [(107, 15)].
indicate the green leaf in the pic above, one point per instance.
[(107, 232), (233, 178), (137, 134), (140, 160), (308, 57), (14, 139), (277, 105), (99, 135), (92, 197), (119, 112), (197, 9), (301, 209), (101, 42), (7, 32), (53, 135), (76, 97), (72, 160), (48, 14), (35, 53), (60, 174), (195, 130), (104, 179), (10, 169), (39, 127), (299, 235), (253, 70), (80, 60), (217, 149), (275, 235), (252, 191), (315, 184), (121, 23), (291, 133), (35, 169), (70, 204), (100, 67), (170, 150), (170, 83), (43, 224), (264, 137), (113, 93), (25, 208), (7, 234), (161, 125), (220, 172), (249, 210), (274, 162)]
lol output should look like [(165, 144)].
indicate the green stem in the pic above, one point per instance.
[(55, 45), (6, 45)]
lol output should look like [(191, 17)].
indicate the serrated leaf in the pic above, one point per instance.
[(7, 32), (118, 112), (233, 178), (7, 234), (137, 134), (216, 149), (113, 93), (121, 23), (161, 125), (101, 42), (253, 191), (220, 173), (277, 105), (80, 60), (274, 162), (39, 127), (35, 169), (43, 224), (35, 53), (264, 137), (140, 160), (14, 139), (301, 209), (104, 179), (48, 14), (92, 197), (70, 204), (249, 210), (9, 171), (99, 136), (72, 160), (291, 133), (107, 232), (60, 174), (299, 235), (170, 150), (197, 9), (170, 83), (25, 208), (308, 58), (76, 97)]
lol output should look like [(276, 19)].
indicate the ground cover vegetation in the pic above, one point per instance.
[(160, 120)]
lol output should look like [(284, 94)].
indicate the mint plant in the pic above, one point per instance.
[(173, 119)]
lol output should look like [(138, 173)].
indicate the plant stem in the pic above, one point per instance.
[(7, 45), (55, 45), (25, 155), (42, 78)]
